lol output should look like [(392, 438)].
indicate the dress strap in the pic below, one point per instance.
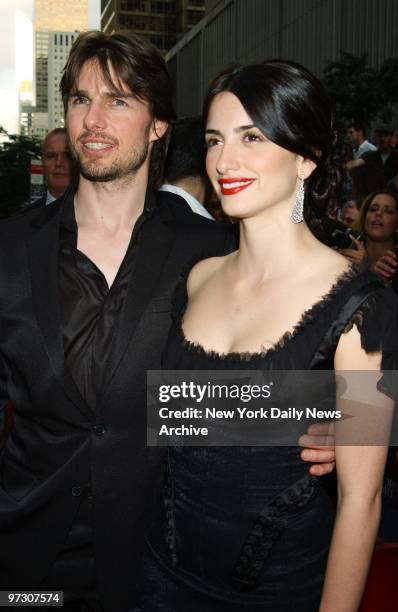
[(345, 315)]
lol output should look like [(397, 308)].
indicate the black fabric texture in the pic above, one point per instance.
[(247, 528)]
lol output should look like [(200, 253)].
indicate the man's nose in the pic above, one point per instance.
[(60, 159), (95, 117)]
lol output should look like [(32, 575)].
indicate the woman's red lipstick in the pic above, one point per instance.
[(230, 186)]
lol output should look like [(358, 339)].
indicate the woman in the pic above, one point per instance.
[(244, 528), (378, 222)]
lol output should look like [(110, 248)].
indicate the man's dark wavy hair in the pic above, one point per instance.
[(136, 64)]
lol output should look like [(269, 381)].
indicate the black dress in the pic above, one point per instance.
[(247, 528)]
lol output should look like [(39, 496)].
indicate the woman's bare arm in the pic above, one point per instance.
[(360, 472)]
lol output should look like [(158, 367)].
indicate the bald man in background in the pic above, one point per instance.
[(58, 166)]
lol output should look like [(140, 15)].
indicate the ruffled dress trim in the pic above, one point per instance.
[(266, 530), (355, 275)]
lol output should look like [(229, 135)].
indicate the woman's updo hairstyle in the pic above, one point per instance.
[(290, 106)]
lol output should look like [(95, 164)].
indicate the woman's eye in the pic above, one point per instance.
[(251, 137), (119, 102), (212, 142)]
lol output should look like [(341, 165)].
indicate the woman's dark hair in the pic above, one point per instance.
[(137, 64), (360, 223), (291, 107), (366, 178)]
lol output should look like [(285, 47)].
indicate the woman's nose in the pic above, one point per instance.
[(227, 159)]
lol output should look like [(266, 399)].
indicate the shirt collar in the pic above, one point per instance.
[(50, 198), (68, 217), (192, 202)]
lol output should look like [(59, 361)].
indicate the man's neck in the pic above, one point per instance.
[(113, 203), (56, 193)]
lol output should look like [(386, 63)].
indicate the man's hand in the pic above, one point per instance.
[(318, 448), (386, 266)]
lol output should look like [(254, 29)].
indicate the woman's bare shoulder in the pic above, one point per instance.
[(203, 271), (331, 264)]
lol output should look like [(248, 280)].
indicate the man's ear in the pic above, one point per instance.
[(158, 129)]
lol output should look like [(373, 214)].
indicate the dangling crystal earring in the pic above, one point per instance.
[(297, 214)]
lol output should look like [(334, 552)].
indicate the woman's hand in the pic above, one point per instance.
[(355, 255), (386, 266)]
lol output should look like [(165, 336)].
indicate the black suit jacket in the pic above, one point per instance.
[(40, 201), (54, 447), (390, 168)]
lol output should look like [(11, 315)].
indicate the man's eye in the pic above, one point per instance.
[(79, 100), (119, 102)]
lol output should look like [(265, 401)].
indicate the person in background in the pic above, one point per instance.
[(356, 134), (58, 166), (386, 156), (349, 213), (184, 171), (378, 225), (366, 178)]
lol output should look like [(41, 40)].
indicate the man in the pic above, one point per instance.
[(386, 157), (356, 133), (184, 170), (58, 166), (85, 310), (349, 213)]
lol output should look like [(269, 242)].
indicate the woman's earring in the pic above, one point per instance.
[(297, 214)]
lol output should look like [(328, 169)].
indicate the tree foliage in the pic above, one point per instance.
[(359, 91), (15, 155)]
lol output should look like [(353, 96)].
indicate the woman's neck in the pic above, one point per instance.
[(272, 246)]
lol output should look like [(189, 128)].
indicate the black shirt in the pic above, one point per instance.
[(90, 312), (89, 308)]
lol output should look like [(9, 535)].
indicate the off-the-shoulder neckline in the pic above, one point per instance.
[(307, 317)]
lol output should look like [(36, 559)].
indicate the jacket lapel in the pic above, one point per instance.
[(43, 251), (149, 261)]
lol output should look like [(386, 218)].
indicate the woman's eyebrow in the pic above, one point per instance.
[(241, 128)]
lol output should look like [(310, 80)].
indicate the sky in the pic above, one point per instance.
[(16, 59)]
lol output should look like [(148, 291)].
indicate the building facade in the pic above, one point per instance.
[(32, 122), (312, 32), (162, 21), (53, 16), (59, 49)]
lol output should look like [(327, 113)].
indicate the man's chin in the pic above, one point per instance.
[(99, 175)]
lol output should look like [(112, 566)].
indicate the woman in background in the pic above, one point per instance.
[(246, 528), (378, 223)]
